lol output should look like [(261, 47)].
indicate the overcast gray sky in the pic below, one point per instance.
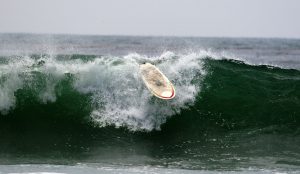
[(222, 18)]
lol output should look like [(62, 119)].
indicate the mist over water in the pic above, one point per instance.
[(80, 101)]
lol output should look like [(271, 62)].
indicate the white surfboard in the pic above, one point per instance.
[(157, 83)]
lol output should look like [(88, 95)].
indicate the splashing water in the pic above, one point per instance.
[(117, 92)]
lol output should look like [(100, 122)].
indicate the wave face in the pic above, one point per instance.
[(244, 95)]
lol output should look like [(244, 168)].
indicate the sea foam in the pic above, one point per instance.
[(118, 95)]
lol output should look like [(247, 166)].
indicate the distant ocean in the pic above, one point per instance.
[(77, 104)]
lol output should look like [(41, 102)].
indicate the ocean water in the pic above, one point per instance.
[(77, 104)]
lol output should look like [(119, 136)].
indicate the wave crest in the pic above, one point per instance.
[(118, 95)]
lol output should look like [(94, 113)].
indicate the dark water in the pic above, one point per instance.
[(76, 104)]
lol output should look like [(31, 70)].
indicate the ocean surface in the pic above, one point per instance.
[(76, 104)]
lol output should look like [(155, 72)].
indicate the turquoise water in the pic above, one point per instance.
[(77, 104)]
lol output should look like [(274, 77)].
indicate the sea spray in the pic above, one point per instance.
[(118, 95)]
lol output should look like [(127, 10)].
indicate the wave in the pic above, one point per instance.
[(212, 91)]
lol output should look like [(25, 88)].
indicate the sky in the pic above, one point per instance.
[(206, 18)]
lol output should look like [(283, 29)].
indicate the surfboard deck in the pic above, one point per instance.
[(157, 83)]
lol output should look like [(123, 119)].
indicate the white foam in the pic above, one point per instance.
[(11, 81), (119, 96), (124, 99)]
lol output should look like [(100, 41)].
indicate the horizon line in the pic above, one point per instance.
[(141, 35)]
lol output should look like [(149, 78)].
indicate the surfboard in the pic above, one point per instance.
[(157, 83)]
